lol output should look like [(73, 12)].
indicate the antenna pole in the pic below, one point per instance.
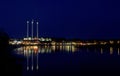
[(37, 29), (32, 28), (27, 29)]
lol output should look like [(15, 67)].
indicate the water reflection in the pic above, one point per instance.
[(101, 51), (111, 50), (32, 52), (118, 51)]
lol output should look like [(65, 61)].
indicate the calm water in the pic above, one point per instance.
[(68, 60)]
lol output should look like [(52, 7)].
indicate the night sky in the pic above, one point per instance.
[(84, 19)]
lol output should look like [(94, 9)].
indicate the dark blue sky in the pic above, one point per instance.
[(85, 19)]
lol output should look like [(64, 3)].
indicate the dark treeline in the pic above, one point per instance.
[(8, 62)]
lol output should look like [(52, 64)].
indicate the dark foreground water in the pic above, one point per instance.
[(69, 61)]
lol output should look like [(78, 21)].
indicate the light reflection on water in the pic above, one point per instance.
[(32, 52), (45, 49)]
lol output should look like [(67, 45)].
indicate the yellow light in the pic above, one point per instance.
[(101, 51), (111, 42), (35, 47), (111, 50), (118, 42)]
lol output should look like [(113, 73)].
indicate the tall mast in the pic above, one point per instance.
[(32, 22), (37, 29), (27, 29)]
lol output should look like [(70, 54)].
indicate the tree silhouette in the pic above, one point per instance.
[(8, 62)]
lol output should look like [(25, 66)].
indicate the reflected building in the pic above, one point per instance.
[(101, 50), (111, 50), (32, 53), (28, 50), (118, 51)]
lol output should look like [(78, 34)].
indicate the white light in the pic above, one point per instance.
[(37, 23), (27, 21), (32, 67), (27, 67), (32, 22), (37, 67)]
